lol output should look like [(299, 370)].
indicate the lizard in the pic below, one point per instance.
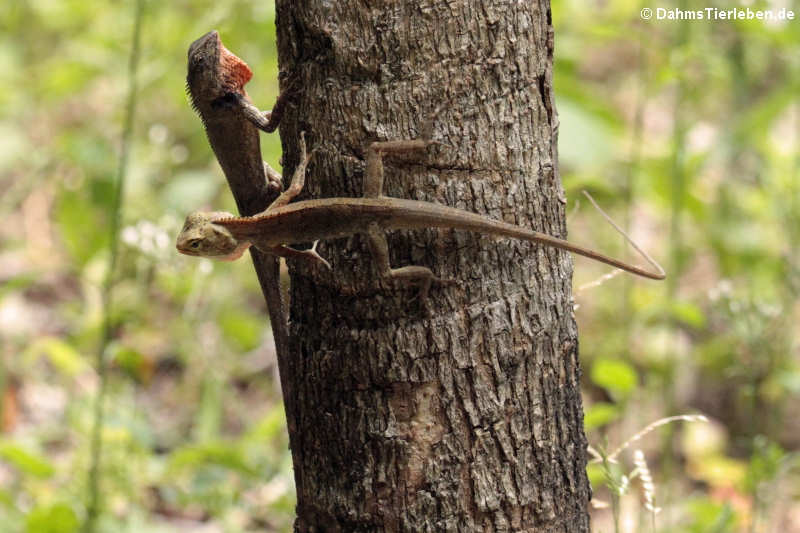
[(224, 236), (215, 83)]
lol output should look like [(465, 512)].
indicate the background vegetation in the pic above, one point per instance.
[(686, 131)]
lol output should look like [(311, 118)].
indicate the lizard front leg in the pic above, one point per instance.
[(298, 182), (267, 120), (298, 179)]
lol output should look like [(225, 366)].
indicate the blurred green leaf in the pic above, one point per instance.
[(688, 313), (618, 377), (62, 355), (193, 457), (132, 361), (80, 226), (58, 518), (209, 414), (64, 78), (764, 464), (16, 283), (13, 145), (711, 517), (6, 499), (599, 414), (242, 328), (583, 139), (25, 461), (271, 426), (596, 475)]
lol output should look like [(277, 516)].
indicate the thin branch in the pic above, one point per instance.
[(612, 457), (93, 504), (621, 231)]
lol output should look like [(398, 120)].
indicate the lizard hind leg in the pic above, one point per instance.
[(414, 274), (373, 175)]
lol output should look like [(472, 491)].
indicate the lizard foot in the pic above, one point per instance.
[(274, 179), (422, 294), (306, 255), (313, 255)]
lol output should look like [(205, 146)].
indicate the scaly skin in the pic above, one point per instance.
[(215, 83), (201, 237), (224, 236)]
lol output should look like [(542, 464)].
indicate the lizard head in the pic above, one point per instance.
[(200, 236), (215, 74)]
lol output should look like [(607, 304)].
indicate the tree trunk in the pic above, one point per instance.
[(469, 419)]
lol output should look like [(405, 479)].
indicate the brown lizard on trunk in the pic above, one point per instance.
[(215, 83), (223, 236)]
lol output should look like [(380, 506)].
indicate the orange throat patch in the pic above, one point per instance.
[(235, 72)]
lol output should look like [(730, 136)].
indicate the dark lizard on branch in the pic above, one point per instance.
[(215, 83)]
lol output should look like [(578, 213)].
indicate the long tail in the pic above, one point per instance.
[(480, 224)]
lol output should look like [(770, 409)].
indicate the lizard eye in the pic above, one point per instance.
[(195, 244)]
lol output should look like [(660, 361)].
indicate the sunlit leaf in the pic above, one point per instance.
[(711, 517), (599, 414), (596, 475), (617, 376), (218, 454), (25, 461), (271, 426), (80, 226), (62, 355), (242, 328), (688, 314), (58, 518)]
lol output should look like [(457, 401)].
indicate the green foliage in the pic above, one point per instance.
[(618, 377), (600, 414), (688, 132), (205, 456), (243, 329), (26, 462), (58, 518), (711, 517), (62, 355), (183, 404), (74, 214)]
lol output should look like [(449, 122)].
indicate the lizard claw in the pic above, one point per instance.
[(306, 255), (312, 253), (274, 187), (274, 179)]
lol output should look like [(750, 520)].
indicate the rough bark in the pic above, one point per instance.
[(470, 419)]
